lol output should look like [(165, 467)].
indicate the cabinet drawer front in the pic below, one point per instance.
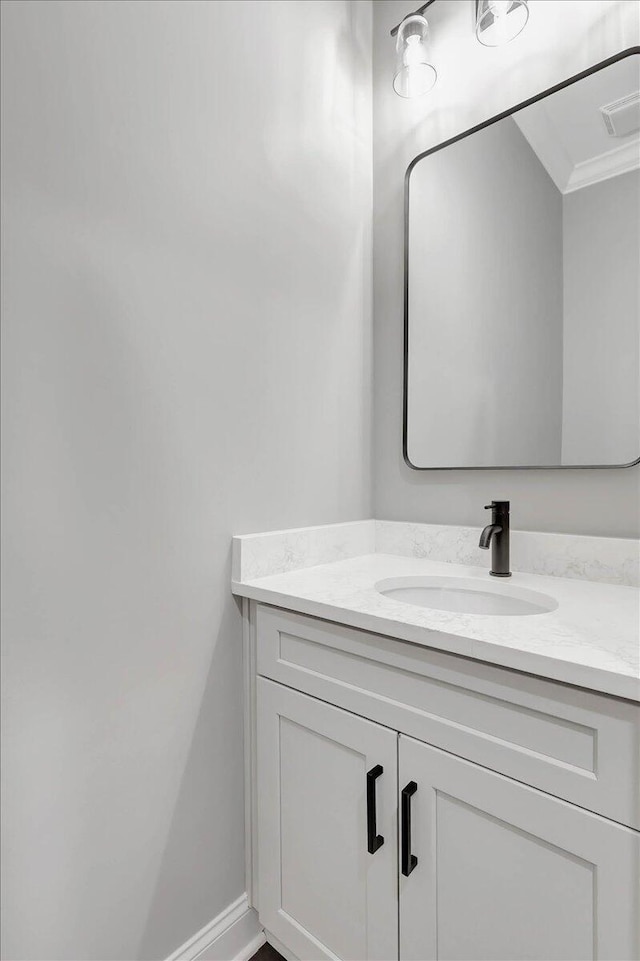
[(576, 744)]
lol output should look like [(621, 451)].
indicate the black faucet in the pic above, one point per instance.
[(496, 534)]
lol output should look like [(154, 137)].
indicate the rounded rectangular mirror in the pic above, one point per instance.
[(522, 284)]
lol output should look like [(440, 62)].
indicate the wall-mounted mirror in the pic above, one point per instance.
[(522, 295)]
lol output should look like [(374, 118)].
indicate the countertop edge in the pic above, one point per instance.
[(549, 668)]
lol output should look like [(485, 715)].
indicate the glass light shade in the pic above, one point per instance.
[(414, 75), (499, 21)]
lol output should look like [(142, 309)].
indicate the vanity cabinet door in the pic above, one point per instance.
[(506, 872), (327, 828)]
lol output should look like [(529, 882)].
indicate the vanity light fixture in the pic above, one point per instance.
[(414, 75), (497, 22), (500, 21)]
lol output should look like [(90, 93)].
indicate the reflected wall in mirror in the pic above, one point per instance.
[(522, 311)]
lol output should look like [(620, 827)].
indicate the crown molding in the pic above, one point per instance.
[(618, 161)]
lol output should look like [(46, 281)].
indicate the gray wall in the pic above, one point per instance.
[(485, 305), (601, 408), (186, 355), (476, 83)]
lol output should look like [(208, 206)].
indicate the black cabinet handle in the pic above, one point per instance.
[(374, 840), (409, 860)]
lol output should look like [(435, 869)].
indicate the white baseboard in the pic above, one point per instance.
[(235, 935)]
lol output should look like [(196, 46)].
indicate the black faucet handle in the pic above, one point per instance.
[(498, 506)]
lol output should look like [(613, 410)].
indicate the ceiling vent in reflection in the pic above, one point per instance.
[(622, 117)]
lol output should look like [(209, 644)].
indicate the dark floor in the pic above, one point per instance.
[(267, 953)]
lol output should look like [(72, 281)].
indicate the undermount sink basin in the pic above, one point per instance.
[(461, 595)]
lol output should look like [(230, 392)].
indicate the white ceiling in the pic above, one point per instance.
[(567, 130)]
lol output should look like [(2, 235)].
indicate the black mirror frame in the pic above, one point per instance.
[(630, 51)]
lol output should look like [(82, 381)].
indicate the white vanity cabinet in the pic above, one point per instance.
[(507, 804)]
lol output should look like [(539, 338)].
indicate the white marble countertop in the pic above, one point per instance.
[(591, 640)]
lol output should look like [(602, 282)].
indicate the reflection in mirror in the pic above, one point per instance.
[(523, 285)]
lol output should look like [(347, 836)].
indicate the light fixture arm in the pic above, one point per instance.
[(420, 11)]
